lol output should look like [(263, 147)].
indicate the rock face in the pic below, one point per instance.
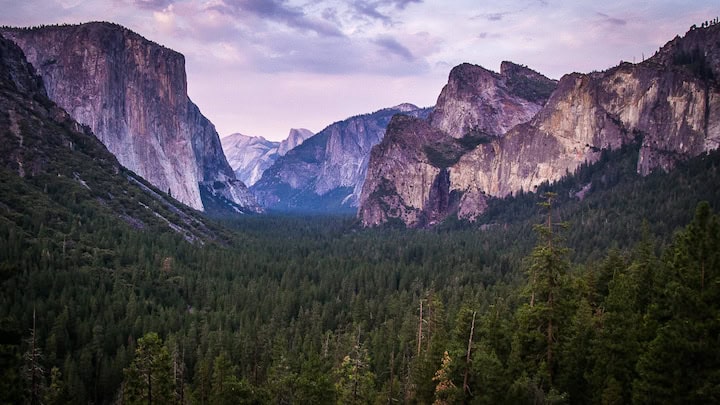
[(327, 171), (400, 177), (670, 103), (296, 137), (477, 100), (250, 156), (133, 94), (45, 152), (410, 181)]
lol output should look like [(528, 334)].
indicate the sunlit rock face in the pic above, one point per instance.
[(296, 137), (477, 100), (669, 103), (326, 172), (400, 175), (250, 156), (133, 94), (412, 180)]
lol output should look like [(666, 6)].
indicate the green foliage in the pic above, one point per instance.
[(529, 88), (447, 152), (11, 384), (148, 378), (696, 62), (269, 307), (355, 383), (546, 313), (680, 363)]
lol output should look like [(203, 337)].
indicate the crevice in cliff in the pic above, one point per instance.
[(441, 201)]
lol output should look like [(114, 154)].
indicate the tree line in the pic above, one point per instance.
[(574, 302)]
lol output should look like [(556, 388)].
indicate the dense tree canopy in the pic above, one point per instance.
[(289, 309)]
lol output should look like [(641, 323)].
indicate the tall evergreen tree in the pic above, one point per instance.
[(227, 388), (148, 379), (541, 318), (33, 370), (681, 364), (355, 382)]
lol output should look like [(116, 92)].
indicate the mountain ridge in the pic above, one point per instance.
[(250, 156), (326, 171), (670, 102), (61, 166), (133, 94)]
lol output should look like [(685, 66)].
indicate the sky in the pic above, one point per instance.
[(261, 67)]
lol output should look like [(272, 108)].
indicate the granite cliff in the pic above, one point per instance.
[(410, 180), (133, 94), (327, 171), (669, 103), (250, 156), (54, 170), (479, 101)]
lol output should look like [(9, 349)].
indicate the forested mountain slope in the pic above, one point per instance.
[(132, 93)]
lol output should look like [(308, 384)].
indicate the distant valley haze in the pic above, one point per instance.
[(263, 67)]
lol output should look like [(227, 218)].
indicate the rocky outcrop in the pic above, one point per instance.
[(133, 94), (475, 107), (250, 156), (327, 171), (479, 101), (401, 177), (296, 137), (674, 113), (670, 103), (60, 167)]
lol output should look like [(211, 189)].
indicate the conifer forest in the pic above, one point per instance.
[(614, 298)]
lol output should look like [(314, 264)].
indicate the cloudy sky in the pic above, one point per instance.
[(261, 67)]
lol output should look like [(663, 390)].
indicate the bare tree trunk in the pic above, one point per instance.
[(429, 324), (419, 340), (550, 340), (392, 376), (466, 387)]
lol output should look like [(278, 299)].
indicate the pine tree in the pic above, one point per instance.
[(55, 393), (446, 392), (148, 379), (622, 330), (355, 382), (540, 319), (33, 370), (681, 364), (227, 388)]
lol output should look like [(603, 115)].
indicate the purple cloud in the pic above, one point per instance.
[(370, 10), (611, 20), (277, 10), (400, 4), (394, 47), (154, 5), (492, 16)]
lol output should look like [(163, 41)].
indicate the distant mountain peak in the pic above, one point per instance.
[(250, 156), (327, 171), (405, 107), (294, 139)]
